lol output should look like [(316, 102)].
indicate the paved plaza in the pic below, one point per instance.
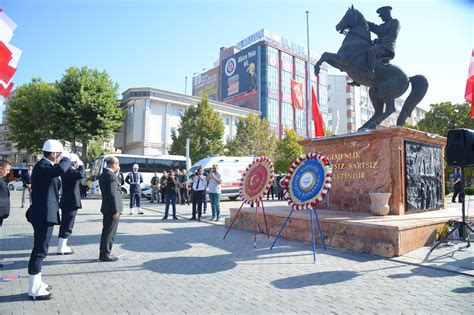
[(185, 267)]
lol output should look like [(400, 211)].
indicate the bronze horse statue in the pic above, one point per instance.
[(389, 81)]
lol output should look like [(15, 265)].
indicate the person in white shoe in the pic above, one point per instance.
[(70, 202), (43, 213), (134, 179)]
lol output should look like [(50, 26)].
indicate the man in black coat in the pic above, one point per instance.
[(26, 179), (112, 206), (4, 191), (70, 202), (43, 213)]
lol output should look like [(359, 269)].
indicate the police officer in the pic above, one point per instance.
[(387, 32), (70, 202), (134, 179), (43, 213)]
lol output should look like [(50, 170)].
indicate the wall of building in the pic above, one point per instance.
[(157, 113)]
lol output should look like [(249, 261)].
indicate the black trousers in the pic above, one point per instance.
[(42, 236), (184, 195), (135, 199), (68, 217), (198, 197), (458, 190), (109, 228)]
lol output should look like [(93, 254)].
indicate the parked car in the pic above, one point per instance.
[(16, 184)]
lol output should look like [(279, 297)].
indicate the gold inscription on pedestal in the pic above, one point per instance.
[(345, 168)]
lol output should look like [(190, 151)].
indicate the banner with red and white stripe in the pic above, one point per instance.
[(9, 54)]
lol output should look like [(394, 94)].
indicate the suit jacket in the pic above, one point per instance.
[(71, 197), (110, 187), (45, 184), (4, 199), (134, 188), (25, 178)]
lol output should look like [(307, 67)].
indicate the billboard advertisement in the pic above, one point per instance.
[(207, 83), (239, 75)]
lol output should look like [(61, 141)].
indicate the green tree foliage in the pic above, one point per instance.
[(445, 116), (88, 106), (204, 128), (29, 113), (288, 149), (254, 136), (96, 149)]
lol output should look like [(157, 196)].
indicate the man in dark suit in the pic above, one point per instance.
[(26, 179), (134, 179), (43, 213), (70, 202), (112, 206), (5, 167)]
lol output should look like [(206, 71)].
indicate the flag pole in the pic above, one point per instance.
[(308, 81)]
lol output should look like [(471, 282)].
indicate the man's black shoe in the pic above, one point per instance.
[(212, 219), (108, 258), (192, 219), (175, 218), (199, 219), (164, 218)]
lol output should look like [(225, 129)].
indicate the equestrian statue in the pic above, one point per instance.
[(367, 63)]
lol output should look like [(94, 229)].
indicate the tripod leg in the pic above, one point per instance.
[(232, 223), (321, 233), (265, 218), (443, 240), (312, 236), (256, 226), (282, 227)]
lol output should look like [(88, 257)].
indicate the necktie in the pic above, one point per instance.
[(197, 184), (135, 179)]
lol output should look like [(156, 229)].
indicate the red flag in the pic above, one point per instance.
[(5, 53), (6, 72), (469, 94), (5, 91), (317, 117), (297, 94)]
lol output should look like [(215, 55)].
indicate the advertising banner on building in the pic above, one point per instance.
[(207, 84), (239, 75)]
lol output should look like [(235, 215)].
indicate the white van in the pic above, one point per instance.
[(231, 169)]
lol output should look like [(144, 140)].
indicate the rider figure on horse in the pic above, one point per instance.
[(384, 45)]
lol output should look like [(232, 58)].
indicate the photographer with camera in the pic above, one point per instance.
[(214, 181), (170, 194), (199, 189)]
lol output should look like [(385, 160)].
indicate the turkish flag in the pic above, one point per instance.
[(317, 117), (469, 94), (5, 53), (297, 94), (4, 91), (6, 72)]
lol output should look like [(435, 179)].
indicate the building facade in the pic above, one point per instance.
[(256, 73), (349, 107), (152, 115)]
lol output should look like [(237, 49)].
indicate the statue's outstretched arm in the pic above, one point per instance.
[(374, 28)]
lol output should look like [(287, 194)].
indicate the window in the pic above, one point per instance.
[(131, 109), (272, 112), (285, 82), (287, 114)]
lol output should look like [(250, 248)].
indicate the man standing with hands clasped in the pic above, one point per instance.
[(112, 206), (214, 188), (43, 213), (134, 179)]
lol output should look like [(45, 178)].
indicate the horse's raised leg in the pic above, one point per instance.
[(378, 102), (333, 59), (389, 110)]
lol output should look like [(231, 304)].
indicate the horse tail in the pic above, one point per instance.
[(419, 86)]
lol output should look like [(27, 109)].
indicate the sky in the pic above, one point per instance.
[(158, 43)]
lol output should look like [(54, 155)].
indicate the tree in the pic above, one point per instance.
[(288, 149), (445, 116), (29, 112), (204, 129), (95, 149), (254, 136), (88, 106)]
